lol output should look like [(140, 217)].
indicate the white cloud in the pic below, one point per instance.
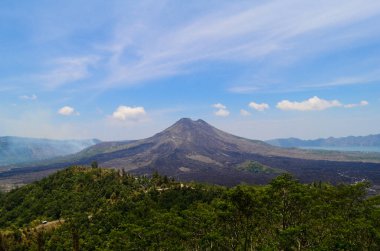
[(26, 97), (222, 113), (67, 111), (222, 110), (244, 112), (311, 104), (362, 103), (129, 113), (219, 106), (316, 104), (67, 70), (259, 107)]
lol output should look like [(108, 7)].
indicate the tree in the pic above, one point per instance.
[(94, 164)]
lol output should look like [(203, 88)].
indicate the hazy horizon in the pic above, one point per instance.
[(158, 131), (121, 70)]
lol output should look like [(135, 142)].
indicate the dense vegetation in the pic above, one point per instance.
[(103, 209), (257, 167)]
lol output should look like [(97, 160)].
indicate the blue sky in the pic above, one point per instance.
[(128, 69)]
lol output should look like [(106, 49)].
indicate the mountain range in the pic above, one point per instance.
[(16, 150), (350, 141), (194, 150)]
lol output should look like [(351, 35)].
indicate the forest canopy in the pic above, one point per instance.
[(105, 209)]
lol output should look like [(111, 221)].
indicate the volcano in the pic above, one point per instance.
[(194, 150)]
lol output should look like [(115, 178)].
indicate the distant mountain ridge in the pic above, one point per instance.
[(15, 150), (350, 141)]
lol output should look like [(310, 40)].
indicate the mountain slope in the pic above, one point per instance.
[(350, 141), (195, 150), (15, 150), (198, 141)]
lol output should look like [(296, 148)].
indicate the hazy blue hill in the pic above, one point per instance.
[(15, 150), (350, 141)]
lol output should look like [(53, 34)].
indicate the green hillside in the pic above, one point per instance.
[(104, 209)]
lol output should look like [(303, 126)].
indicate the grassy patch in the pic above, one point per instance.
[(257, 167)]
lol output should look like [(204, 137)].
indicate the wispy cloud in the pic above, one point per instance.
[(231, 33), (26, 97), (344, 81), (4, 87), (243, 89), (372, 77), (244, 112), (361, 103), (67, 70)]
